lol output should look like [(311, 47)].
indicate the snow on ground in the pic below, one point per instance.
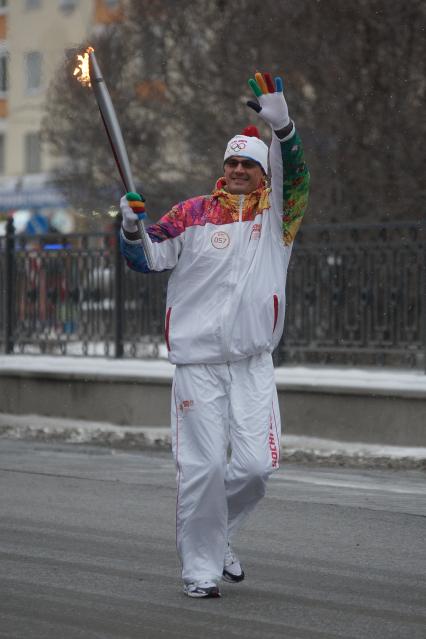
[(100, 366), (373, 380)]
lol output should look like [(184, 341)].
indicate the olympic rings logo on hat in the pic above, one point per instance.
[(238, 145)]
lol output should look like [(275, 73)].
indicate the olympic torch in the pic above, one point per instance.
[(89, 73)]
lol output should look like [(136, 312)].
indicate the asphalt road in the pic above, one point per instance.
[(87, 550)]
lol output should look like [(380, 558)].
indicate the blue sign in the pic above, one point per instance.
[(37, 225)]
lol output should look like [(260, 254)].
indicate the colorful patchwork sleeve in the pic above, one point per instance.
[(290, 184), (295, 186)]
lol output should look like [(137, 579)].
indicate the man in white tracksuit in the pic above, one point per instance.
[(229, 252)]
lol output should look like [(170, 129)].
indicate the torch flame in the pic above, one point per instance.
[(81, 71)]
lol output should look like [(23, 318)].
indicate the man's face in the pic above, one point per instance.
[(242, 175)]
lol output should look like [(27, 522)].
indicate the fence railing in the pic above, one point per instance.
[(355, 295)]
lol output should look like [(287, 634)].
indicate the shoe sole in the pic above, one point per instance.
[(200, 595)]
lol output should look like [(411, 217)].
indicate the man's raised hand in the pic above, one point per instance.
[(271, 105)]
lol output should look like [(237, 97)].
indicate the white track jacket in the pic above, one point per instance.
[(229, 256)]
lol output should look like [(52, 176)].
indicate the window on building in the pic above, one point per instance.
[(33, 71), (2, 153), (112, 4), (67, 5), (4, 76), (32, 4), (32, 153)]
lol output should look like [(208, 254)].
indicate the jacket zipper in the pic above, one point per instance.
[(234, 274), (240, 212)]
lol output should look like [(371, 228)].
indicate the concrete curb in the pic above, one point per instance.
[(141, 438)]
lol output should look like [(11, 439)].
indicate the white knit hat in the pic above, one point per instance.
[(248, 146)]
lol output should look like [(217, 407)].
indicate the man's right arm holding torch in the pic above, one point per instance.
[(164, 254)]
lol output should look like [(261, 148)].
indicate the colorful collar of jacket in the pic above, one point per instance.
[(257, 200)]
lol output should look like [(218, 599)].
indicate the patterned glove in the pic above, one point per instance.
[(132, 207), (271, 105)]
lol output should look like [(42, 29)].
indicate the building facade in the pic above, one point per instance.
[(34, 36)]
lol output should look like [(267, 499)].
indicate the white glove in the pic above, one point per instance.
[(271, 105), (128, 205)]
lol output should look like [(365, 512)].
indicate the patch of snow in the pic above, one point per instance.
[(297, 448), (373, 381)]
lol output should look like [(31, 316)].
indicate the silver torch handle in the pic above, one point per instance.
[(115, 137)]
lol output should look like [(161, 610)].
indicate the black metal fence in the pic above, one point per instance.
[(356, 295)]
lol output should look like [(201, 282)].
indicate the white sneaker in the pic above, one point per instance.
[(206, 589), (232, 570)]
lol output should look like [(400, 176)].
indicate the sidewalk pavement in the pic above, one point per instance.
[(294, 448), (374, 381)]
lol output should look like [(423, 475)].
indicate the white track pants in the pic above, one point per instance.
[(214, 406)]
